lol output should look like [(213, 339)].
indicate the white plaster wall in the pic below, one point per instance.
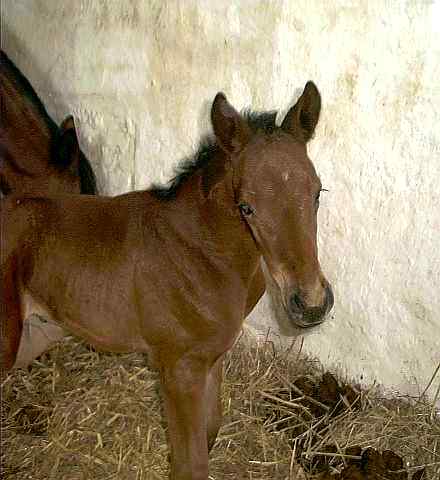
[(140, 76)]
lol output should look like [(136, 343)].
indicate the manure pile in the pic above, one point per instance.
[(77, 414)]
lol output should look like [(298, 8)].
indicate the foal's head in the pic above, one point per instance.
[(277, 191)]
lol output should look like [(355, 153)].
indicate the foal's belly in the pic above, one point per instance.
[(106, 329)]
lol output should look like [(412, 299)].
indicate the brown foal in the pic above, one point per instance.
[(174, 271)]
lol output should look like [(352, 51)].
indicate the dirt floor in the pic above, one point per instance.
[(78, 414)]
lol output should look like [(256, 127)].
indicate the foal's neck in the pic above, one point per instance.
[(208, 200)]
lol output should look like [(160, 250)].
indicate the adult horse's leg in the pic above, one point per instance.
[(10, 316), (214, 401), (184, 382)]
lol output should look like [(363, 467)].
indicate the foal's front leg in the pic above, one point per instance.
[(214, 401), (184, 383)]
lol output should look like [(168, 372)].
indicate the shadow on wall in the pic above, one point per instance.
[(94, 153), (15, 49)]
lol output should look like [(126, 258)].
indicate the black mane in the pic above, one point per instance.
[(257, 121)]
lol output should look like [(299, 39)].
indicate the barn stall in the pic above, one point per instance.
[(139, 78)]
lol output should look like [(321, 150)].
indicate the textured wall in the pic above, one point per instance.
[(140, 76)]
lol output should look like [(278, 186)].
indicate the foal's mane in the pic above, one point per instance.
[(206, 151)]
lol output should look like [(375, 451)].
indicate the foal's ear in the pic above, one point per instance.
[(66, 146), (302, 118), (230, 128)]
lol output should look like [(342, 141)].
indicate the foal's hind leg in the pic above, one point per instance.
[(214, 401), (184, 383), (10, 316)]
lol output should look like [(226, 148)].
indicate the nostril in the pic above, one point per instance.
[(297, 303)]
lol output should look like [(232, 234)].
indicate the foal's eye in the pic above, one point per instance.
[(245, 209)]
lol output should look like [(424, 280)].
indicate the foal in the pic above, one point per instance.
[(35, 155), (173, 271)]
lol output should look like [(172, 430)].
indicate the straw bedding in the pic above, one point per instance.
[(79, 414)]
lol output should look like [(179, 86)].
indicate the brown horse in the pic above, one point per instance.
[(35, 155), (173, 271)]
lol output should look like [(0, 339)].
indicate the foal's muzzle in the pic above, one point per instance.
[(304, 316)]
